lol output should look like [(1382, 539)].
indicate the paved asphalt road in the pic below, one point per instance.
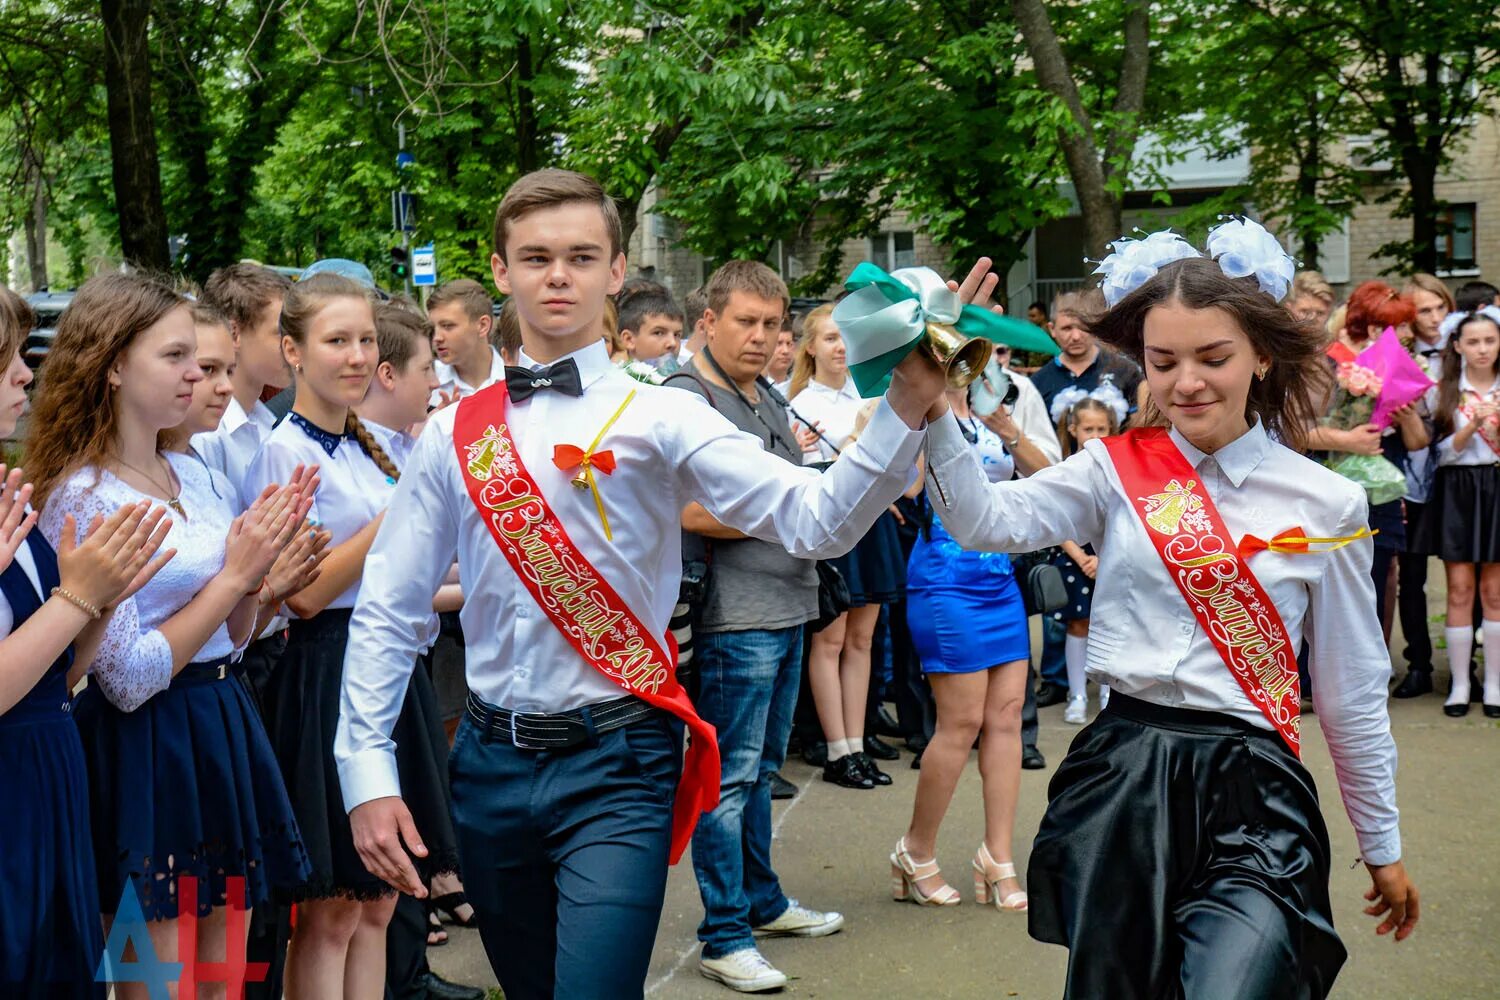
[(832, 845)]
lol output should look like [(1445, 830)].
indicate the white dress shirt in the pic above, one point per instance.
[(833, 410), (230, 447), (1477, 451), (670, 448), (1145, 641), (351, 488), (448, 379)]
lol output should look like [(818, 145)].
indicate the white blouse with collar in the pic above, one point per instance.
[(833, 410), (1144, 639), (1478, 451), (351, 488)]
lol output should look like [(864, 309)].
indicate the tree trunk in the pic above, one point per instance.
[(1101, 209), (1309, 164), (189, 126), (527, 154), (1421, 178), (36, 224), (132, 133)]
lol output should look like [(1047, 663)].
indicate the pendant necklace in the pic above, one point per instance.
[(173, 501)]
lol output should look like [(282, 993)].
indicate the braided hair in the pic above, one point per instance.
[(356, 429)]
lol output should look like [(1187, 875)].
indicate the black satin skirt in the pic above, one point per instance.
[(1183, 854)]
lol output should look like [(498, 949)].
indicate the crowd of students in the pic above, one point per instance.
[(207, 472)]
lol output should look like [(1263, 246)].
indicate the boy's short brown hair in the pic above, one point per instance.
[(750, 276), (469, 294), (506, 336), (241, 292), (549, 187)]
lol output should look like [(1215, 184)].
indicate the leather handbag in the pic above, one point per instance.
[(1042, 587), (833, 595)]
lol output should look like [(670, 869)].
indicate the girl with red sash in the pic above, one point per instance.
[(1183, 852)]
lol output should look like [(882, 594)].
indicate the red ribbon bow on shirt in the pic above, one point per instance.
[(570, 456), (1293, 540)]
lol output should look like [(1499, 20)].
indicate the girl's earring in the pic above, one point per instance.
[(299, 370), (1260, 373)]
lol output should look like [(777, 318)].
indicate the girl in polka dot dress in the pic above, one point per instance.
[(1088, 418)]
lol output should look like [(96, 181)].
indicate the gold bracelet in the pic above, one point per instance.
[(89, 609)]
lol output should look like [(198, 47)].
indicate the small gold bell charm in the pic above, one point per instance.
[(580, 482)]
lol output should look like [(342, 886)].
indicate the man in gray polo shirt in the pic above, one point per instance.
[(747, 648)]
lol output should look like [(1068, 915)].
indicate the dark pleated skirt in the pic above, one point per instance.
[(50, 936), (303, 710), (1183, 854), (1461, 522), (875, 569), (186, 785)]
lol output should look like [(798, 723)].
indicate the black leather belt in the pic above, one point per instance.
[(562, 731)]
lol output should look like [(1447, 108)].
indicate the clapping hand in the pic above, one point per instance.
[(117, 557), (257, 536), (298, 565), (15, 522), (807, 437)]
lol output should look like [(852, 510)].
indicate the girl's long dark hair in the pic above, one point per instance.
[(1443, 422), (1286, 399)]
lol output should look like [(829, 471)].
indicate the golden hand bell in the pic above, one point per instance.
[(961, 358)]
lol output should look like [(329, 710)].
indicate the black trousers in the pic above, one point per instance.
[(1411, 596), (1183, 854), (565, 856), (406, 950)]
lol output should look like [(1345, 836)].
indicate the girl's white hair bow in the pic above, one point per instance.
[(1241, 247)]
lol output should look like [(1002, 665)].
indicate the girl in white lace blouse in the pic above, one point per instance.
[(181, 776)]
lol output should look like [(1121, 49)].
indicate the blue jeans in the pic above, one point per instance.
[(748, 691), (564, 856)]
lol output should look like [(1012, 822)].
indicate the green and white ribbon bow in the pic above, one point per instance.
[(885, 316)]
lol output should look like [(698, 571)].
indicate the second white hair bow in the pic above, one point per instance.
[(1452, 320)]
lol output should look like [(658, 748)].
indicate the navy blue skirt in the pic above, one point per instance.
[(302, 713), (50, 935), (187, 785), (875, 569)]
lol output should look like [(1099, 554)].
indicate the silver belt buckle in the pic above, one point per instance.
[(515, 733)]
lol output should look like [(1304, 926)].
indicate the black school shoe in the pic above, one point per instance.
[(880, 749), (1415, 684), (868, 766), (815, 753), (1032, 759), (846, 773), (781, 788), (439, 988), (1048, 693)]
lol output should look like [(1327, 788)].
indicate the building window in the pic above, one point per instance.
[(1456, 238), (893, 250)]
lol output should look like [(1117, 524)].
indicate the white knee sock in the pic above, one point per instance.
[(1460, 644), (1075, 653), (1490, 632)]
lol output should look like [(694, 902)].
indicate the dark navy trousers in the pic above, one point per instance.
[(564, 856)]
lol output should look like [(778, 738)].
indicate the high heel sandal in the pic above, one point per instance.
[(988, 874), (906, 873)]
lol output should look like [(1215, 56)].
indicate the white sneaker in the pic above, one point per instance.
[(799, 921), (745, 971), (1077, 712)]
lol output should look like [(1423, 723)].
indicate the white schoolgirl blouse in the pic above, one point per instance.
[(1477, 451), (1145, 641), (833, 410), (351, 488)]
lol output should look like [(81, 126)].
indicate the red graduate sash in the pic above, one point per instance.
[(594, 619), (1230, 604)]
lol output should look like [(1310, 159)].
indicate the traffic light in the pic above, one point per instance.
[(400, 264)]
